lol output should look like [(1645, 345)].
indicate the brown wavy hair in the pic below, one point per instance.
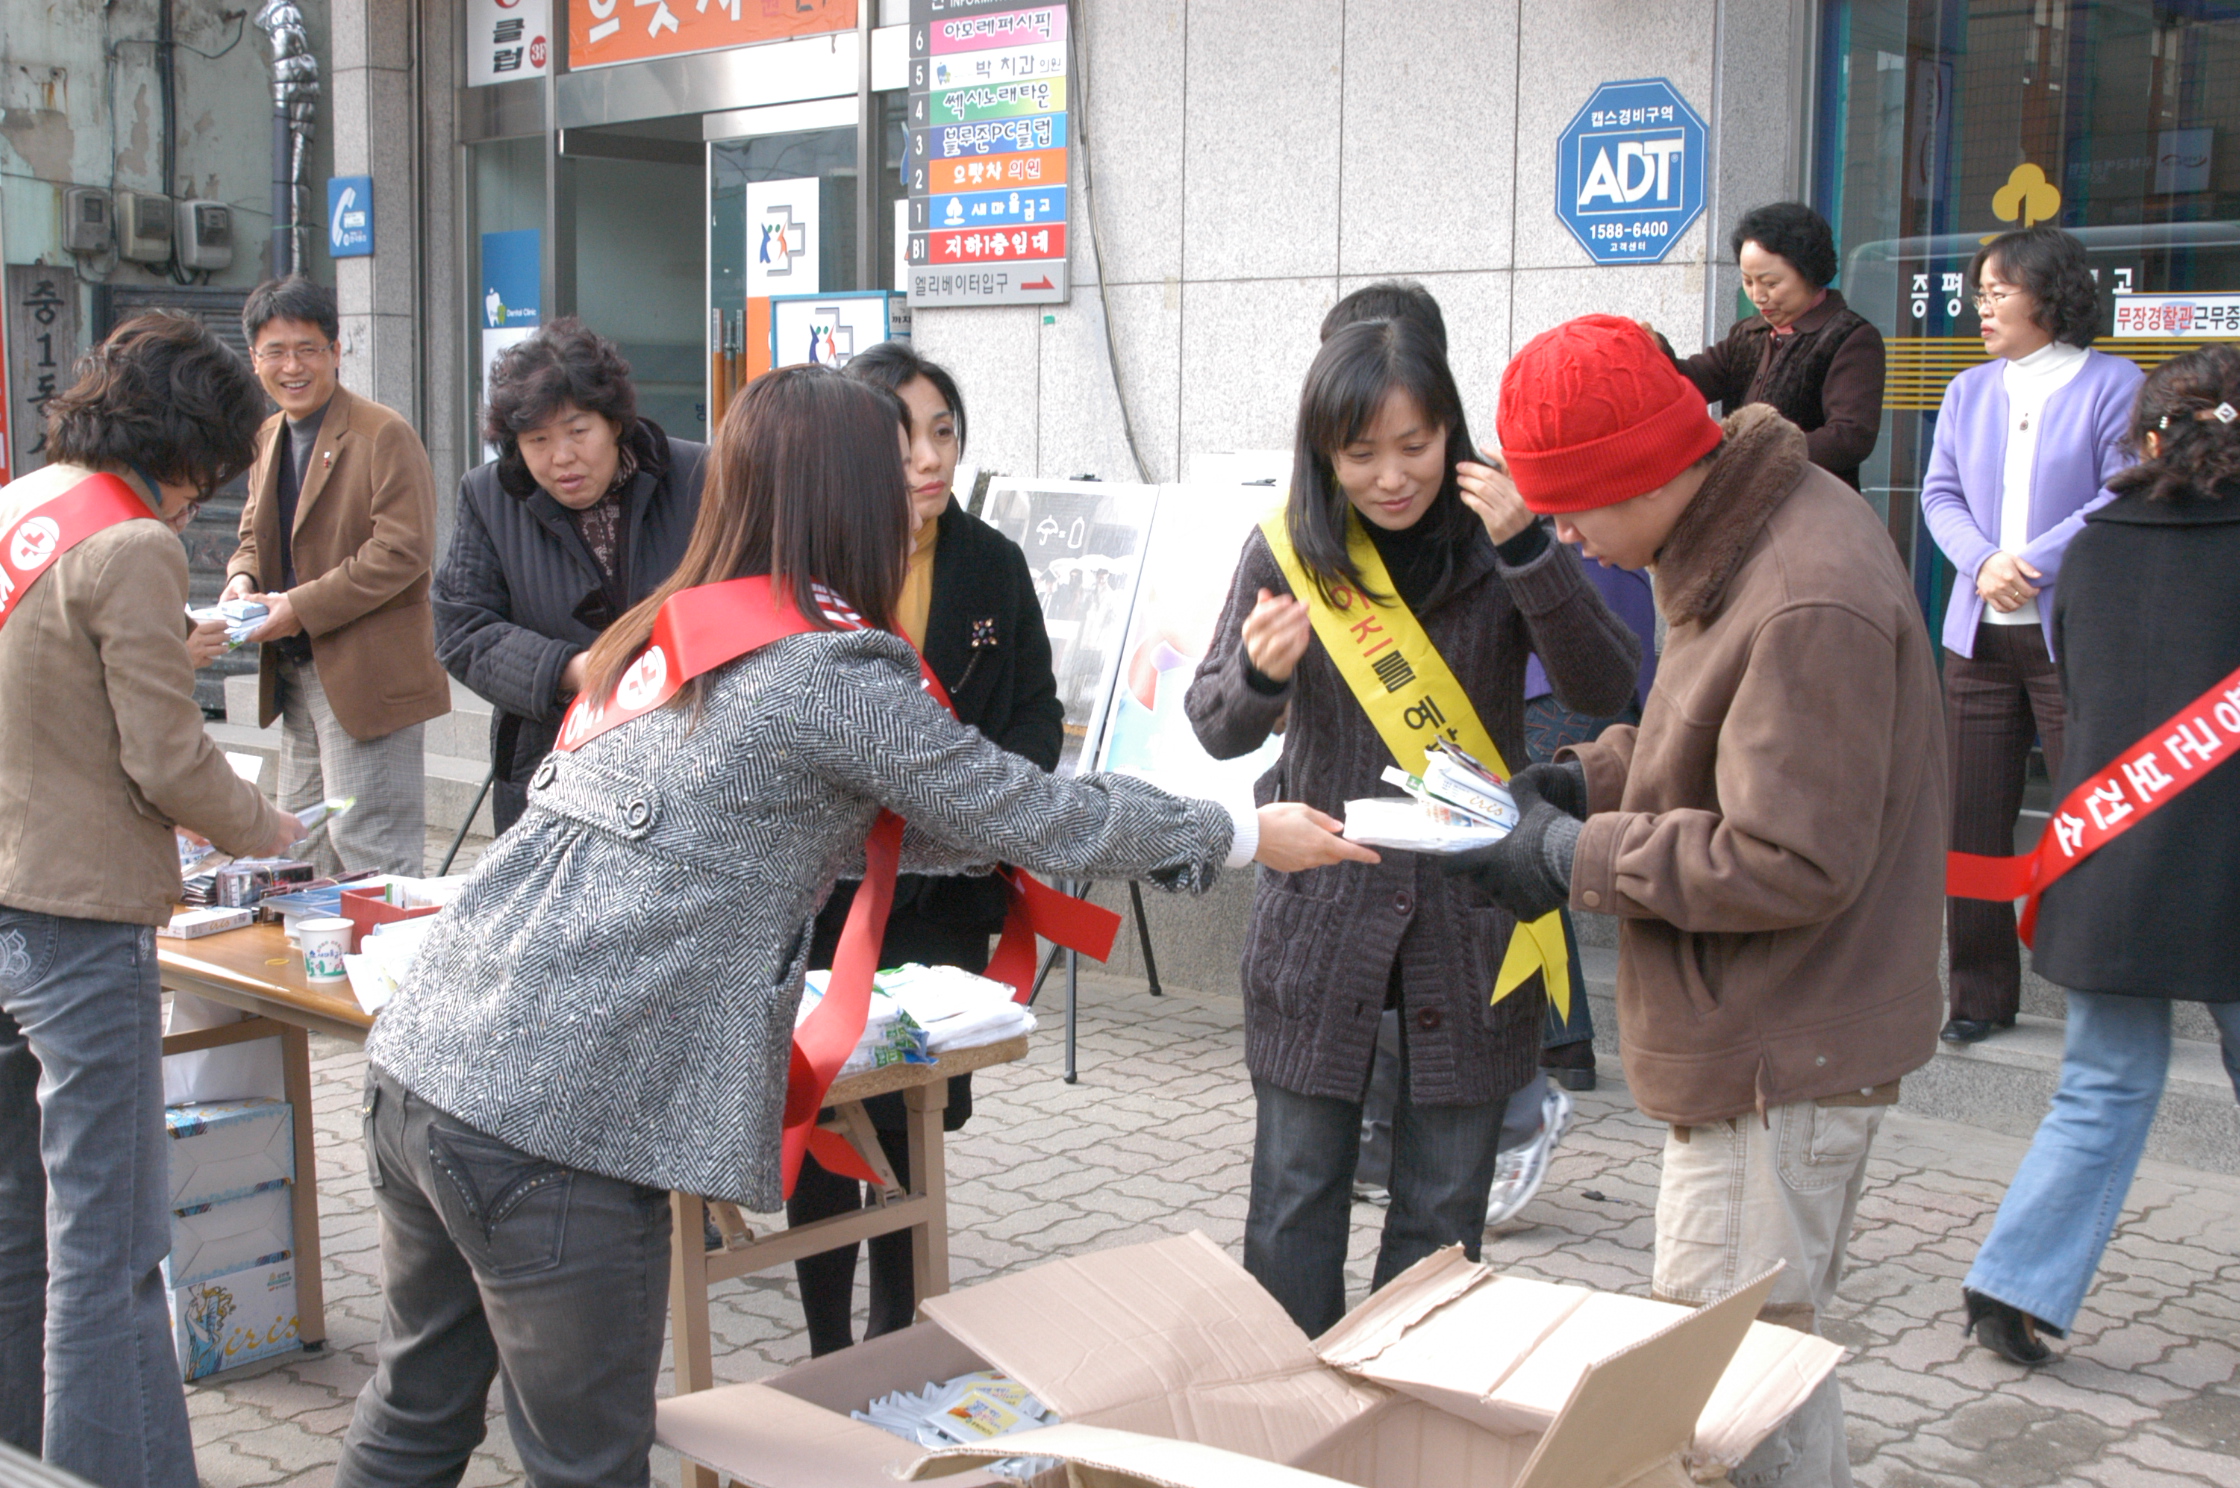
[(805, 483), (162, 396), (2050, 266), (2196, 450)]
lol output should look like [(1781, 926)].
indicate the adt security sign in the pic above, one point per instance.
[(1629, 171), (350, 216)]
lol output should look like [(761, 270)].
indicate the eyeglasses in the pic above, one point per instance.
[(279, 356), (1992, 299)]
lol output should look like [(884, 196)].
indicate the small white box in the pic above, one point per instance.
[(238, 1318), (193, 924), (224, 1149), (257, 1229)]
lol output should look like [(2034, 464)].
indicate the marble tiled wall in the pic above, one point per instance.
[(1252, 160)]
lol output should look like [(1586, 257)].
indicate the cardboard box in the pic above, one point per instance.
[(224, 1149), (237, 1318), (257, 1229), (1172, 1367)]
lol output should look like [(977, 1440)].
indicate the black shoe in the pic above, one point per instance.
[(1973, 1030), (1573, 1079), (2009, 1332), (1570, 1065)]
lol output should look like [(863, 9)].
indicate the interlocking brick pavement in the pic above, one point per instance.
[(1156, 1139)]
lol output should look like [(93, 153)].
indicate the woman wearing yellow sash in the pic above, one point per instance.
[(1382, 610)]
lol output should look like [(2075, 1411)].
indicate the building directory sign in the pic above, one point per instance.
[(1630, 171), (988, 153)]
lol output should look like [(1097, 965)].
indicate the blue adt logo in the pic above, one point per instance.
[(350, 216), (1629, 171)]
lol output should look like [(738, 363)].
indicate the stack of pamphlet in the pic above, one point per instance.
[(965, 1411), (1456, 804), (243, 618)]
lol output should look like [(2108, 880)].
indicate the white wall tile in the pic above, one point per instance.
[(1260, 172)]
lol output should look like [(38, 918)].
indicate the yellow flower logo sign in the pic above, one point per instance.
[(2027, 195)]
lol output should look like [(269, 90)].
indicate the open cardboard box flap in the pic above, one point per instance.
[(1171, 1339), (1508, 1352)]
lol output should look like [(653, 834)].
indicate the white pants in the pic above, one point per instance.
[(1737, 1196), (386, 832)]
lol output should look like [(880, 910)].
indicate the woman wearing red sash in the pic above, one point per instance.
[(102, 748), (2153, 917), (607, 1011), (1381, 437)]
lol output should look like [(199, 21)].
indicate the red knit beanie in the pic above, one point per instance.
[(1594, 412)]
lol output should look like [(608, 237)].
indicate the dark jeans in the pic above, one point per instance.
[(1304, 1150), (85, 1220), (496, 1262), (828, 1280), (1995, 703)]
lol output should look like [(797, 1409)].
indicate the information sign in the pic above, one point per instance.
[(350, 216), (827, 330), (507, 39), (2208, 317), (988, 154), (1630, 171), (43, 347)]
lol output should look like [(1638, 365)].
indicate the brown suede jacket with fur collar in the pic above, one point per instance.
[(1772, 835)]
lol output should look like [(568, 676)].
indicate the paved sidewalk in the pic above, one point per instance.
[(1156, 1139)]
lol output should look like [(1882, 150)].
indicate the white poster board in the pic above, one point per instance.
[(1084, 543), (1195, 544)]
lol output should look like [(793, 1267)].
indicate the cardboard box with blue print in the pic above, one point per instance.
[(236, 1318), (224, 1149), (1170, 1367), (256, 1229)]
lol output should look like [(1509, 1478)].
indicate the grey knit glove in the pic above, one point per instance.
[(1528, 872), (1563, 786)]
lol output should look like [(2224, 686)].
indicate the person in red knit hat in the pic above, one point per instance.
[(1771, 836)]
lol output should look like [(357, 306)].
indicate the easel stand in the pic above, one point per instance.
[(1073, 973)]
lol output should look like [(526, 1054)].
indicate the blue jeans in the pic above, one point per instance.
[(85, 1222), (2068, 1194), (1304, 1150), (494, 1259)]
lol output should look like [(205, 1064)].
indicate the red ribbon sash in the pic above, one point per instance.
[(2186, 747), (710, 625), (34, 541)]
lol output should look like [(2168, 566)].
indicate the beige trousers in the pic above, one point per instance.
[(1737, 1196)]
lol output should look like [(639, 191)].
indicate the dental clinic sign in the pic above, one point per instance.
[(1630, 171)]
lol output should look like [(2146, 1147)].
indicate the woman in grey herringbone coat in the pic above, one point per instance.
[(606, 1012)]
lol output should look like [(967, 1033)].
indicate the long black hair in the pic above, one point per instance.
[(805, 484), (1357, 369), (893, 365)]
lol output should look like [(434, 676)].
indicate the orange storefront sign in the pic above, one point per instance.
[(605, 31), (1020, 168)]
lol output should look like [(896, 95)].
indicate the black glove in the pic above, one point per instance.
[(1528, 872), (1563, 786)]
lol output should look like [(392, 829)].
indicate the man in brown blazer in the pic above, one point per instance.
[(337, 539)]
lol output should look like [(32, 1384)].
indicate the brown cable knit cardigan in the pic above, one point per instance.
[(1323, 943)]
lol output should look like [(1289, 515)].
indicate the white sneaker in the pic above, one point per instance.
[(1517, 1173)]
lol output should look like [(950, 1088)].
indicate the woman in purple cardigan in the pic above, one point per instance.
[(2025, 445)]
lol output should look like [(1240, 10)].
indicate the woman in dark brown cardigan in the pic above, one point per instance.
[(1380, 438), (1806, 352)]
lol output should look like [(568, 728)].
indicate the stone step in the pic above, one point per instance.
[(2006, 1083)]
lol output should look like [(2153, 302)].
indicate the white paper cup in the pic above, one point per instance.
[(325, 943)]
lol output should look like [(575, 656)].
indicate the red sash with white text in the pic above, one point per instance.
[(30, 545), (710, 625), (2151, 773)]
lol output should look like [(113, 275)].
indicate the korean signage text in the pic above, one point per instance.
[(603, 32), (1630, 171), (43, 345), (508, 39), (2206, 316), (988, 154)]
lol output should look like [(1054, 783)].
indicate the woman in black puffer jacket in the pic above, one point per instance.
[(585, 511)]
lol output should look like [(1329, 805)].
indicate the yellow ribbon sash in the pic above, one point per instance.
[(1411, 696)]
